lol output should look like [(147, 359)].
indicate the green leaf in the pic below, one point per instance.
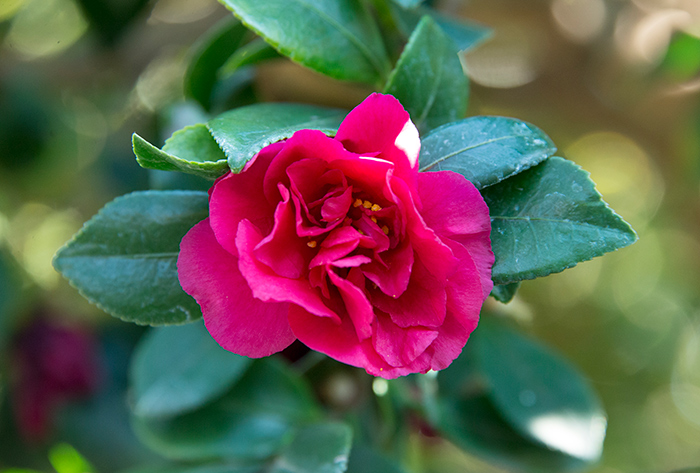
[(338, 38), (201, 372), (252, 421), (470, 419), (254, 52), (124, 258), (485, 150), (428, 79), (541, 395), (209, 54), (317, 448), (366, 460), (242, 132), (506, 292), (465, 34), (550, 218), (191, 150), (408, 3)]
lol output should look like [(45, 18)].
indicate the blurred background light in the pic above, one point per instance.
[(580, 20), (45, 27), (181, 11), (9, 8)]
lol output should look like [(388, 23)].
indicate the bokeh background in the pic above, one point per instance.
[(615, 84)]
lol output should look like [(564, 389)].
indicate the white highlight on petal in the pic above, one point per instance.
[(379, 160), (408, 141), (578, 436)]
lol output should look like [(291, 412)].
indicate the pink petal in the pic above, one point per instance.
[(238, 196), (380, 124), (392, 277), (400, 346), (336, 208), (436, 256), (237, 321), (267, 285), (282, 250), (465, 293), (358, 307), (423, 302), (339, 341)]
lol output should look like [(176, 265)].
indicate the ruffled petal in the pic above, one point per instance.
[(400, 346), (245, 190), (381, 125), (236, 320), (269, 286), (358, 307)]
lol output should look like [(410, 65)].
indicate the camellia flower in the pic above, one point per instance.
[(342, 244)]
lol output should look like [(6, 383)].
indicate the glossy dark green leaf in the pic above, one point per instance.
[(485, 150), (470, 420), (191, 150), (242, 132), (254, 52), (366, 460), (124, 258), (338, 38), (550, 218), (428, 79), (252, 421), (316, 448), (178, 369), (541, 395), (209, 54), (465, 34), (505, 292)]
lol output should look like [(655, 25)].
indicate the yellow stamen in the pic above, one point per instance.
[(367, 204), (311, 244), (373, 218), (385, 229), (361, 232), (357, 203), (376, 208)]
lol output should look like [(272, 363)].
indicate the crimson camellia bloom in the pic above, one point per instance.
[(342, 244)]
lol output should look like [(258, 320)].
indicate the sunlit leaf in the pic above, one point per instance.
[(203, 371), (124, 258), (191, 150), (334, 37), (540, 394), (316, 448), (66, 459), (428, 79), (485, 150), (244, 131), (550, 218)]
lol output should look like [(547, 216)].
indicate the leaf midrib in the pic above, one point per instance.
[(462, 150)]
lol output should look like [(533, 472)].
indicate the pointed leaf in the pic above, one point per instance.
[(334, 37), (317, 448), (485, 150), (465, 34), (203, 371), (540, 394), (191, 150), (124, 258), (550, 218), (252, 53), (470, 419), (505, 292), (252, 421), (209, 54), (428, 79), (242, 132)]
